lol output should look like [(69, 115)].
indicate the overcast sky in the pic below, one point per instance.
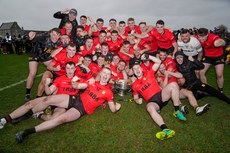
[(38, 15)]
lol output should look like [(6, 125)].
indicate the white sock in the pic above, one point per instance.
[(3, 121)]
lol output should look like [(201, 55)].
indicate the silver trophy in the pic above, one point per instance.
[(122, 86)]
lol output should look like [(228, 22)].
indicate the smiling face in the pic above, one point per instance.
[(160, 28), (203, 38), (54, 36), (179, 59), (70, 70), (71, 51), (162, 69), (185, 37), (105, 76), (137, 70)]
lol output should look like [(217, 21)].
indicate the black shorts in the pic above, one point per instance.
[(157, 98), (75, 102), (39, 57), (214, 60)]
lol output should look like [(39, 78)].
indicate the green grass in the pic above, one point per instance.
[(130, 130)]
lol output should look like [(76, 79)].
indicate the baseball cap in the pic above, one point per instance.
[(74, 11)]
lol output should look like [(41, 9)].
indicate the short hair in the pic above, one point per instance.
[(57, 30), (115, 31), (126, 42), (80, 27), (122, 61), (104, 44), (83, 16), (122, 22), (72, 44), (161, 22), (113, 20), (202, 32), (130, 19), (100, 20), (103, 31), (70, 63), (88, 56), (88, 37), (184, 31), (163, 50), (142, 23)]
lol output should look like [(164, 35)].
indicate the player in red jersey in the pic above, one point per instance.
[(167, 60), (88, 48), (131, 26), (126, 52), (77, 106), (119, 73), (114, 62), (95, 68), (165, 38), (213, 55), (83, 22), (67, 30), (61, 85), (146, 85), (121, 30), (150, 41), (57, 66), (115, 43), (167, 78), (95, 28), (82, 69), (100, 39)]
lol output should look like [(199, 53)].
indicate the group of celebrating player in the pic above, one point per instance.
[(85, 62)]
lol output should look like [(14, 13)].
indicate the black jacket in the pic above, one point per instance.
[(187, 68), (64, 18)]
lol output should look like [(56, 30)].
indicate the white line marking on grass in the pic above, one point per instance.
[(17, 83)]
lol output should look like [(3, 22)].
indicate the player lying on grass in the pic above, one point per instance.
[(76, 106)]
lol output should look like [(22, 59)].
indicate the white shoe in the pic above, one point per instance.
[(184, 109), (36, 115), (202, 109), (2, 123)]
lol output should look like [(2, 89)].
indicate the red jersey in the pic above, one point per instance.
[(170, 64), (147, 86), (170, 79), (84, 51), (209, 49), (136, 29), (63, 32), (115, 46), (151, 41), (113, 67), (81, 74), (95, 95), (147, 67), (164, 40), (86, 28), (124, 57), (94, 69), (97, 33), (64, 85), (61, 59), (96, 41), (119, 75)]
